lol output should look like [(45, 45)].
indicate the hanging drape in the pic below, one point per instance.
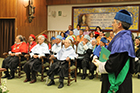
[(7, 35)]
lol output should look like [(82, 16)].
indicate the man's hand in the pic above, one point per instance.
[(84, 42), (52, 56), (67, 59), (94, 57), (136, 59), (96, 62), (16, 54), (35, 56), (12, 54)]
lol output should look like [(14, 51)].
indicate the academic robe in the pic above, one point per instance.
[(82, 48), (20, 47), (92, 66), (60, 67), (137, 63), (98, 50), (56, 48), (121, 48), (84, 52), (30, 45), (13, 61), (35, 64)]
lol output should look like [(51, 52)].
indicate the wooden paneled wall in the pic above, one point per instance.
[(38, 24), (7, 8), (61, 2), (17, 9)]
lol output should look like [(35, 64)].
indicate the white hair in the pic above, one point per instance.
[(68, 40), (20, 37), (94, 40), (42, 37)]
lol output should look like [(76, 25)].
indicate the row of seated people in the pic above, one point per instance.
[(37, 50), (97, 34), (76, 31), (62, 53), (84, 50), (79, 37)]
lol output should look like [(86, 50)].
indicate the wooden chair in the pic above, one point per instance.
[(44, 66), (21, 63), (70, 69)]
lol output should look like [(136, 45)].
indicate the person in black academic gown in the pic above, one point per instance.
[(60, 67), (34, 65), (12, 61), (137, 59), (122, 49)]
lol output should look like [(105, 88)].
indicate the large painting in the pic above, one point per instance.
[(102, 16)]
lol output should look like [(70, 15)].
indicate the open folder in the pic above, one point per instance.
[(104, 55)]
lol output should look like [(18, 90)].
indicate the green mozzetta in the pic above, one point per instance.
[(116, 82)]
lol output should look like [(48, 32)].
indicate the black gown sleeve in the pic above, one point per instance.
[(116, 62), (138, 53)]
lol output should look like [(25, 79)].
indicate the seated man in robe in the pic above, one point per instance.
[(34, 65), (102, 43), (12, 60), (60, 67), (84, 51), (96, 53), (137, 59), (92, 67), (57, 46), (31, 43)]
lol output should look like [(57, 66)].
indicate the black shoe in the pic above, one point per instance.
[(61, 85), (51, 83), (138, 76), (101, 79), (26, 80), (33, 81), (11, 77), (91, 77), (6, 76), (83, 77)]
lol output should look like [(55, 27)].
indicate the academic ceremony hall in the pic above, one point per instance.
[(69, 46)]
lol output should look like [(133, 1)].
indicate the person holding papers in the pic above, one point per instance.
[(96, 53), (117, 70)]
